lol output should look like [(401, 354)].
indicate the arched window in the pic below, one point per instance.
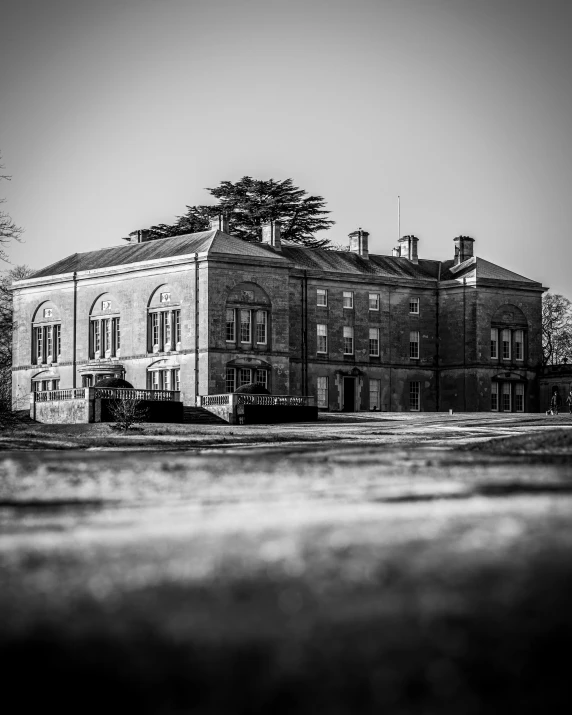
[(247, 318), (45, 380), (105, 328), (164, 321), (164, 375), (46, 334)]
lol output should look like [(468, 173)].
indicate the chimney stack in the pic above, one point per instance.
[(463, 249), (139, 236), (359, 243), (271, 235), (408, 248), (219, 223), (395, 252)]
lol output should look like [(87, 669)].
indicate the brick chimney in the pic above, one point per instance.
[(359, 243), (139, 236), (408, 248), (395, 252), (271, 235), (219, 223), (463, 248)]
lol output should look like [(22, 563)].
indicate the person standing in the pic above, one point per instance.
[(554, 403)]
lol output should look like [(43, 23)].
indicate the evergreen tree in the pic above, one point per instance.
[(248, 203)]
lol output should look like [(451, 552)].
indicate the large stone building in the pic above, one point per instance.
[(207, 312)]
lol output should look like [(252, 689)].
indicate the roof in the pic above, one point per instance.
[(319, 259), (206, 241), (479, 269)]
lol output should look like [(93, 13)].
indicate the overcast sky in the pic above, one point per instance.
[(116, 114)]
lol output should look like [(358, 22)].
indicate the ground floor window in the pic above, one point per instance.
[(494, 396), (236, 377), (414, 396), (519, 397), (506, 402), (322, 391), (164, 379), (45, 385), (374, 396)]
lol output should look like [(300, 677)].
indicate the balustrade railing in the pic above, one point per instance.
[(73, 393), (125, 393), (233, 399)]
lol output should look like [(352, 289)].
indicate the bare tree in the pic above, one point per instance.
[(127, 412), (8, 229), (556, 329)]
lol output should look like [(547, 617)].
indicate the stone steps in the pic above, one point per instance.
[(198, 415)]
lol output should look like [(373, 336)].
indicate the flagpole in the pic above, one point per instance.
[(398, 217)]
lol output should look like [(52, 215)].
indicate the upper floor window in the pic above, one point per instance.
[(247, 317), (322, 334), (230, 325), (508, 335), (374, 301), (414, 345), (46, 335), (519, 345), (105, 328), (348, 299), (494, 343), (245, 326), (414, 306), (164, 322), (374, 342), (348, 340), (506, 344), (322, 297), (261, 327)]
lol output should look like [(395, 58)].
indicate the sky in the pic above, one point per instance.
[(116, 114)]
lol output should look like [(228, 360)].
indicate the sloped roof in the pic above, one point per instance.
[(478, 268), (211, 241), (346, 262)]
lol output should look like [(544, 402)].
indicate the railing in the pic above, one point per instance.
[(74, 393), (124, 393), (233, 399)]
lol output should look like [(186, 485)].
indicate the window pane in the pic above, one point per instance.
[(348, 340), (414, 344), (243, 376), (414, 391), (518, 345), (229, 379), (322, 296), (374, 301), (262, 377), (167, 329), (322, 391), (245, 326), (494, 396), (414, 305), (322, 331), (107, 324), (374, 341), (261, 321), (177, 324), (374, 396), (519, 397), (230, 328), (494, 343), (348, 299), (49, 341), (155, 328), (177, 380), (506, 396), (506, 344), (166, 379)]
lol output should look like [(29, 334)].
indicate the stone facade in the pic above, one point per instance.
[(400, 332)]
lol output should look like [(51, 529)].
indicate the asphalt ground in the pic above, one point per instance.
[(366, 564)]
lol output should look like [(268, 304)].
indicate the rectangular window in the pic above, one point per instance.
[(58, 338), (166, 327), (177, 380), (177, 327), (155, 380), (96, 336), (414, 396), (166, 375), (39, 345), (494, 396), (243, 376), (229, 379), (155, 329), (374, 342), (518, 346), (414, 306), (374, 396), (322, 297), (230, 325), (116, 336), (262, 377), (322, 331), (506, 396), (374, 301), (519, 397), (348, 340), (348, 299), (49, 342), (322, 391), (506, 344), (494, 344), (244, 326), (261, 323), (414, 345), (107, 324)]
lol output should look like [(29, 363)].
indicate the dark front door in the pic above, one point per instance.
[(349, 394)]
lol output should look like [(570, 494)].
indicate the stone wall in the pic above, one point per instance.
[(63, 411)]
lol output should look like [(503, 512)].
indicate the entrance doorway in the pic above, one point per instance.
[(349, 394)]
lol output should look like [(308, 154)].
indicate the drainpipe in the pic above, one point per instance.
[(464, 344), (389, 335), (74, 331), (196, 328), (438, 345), (305, 334)]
